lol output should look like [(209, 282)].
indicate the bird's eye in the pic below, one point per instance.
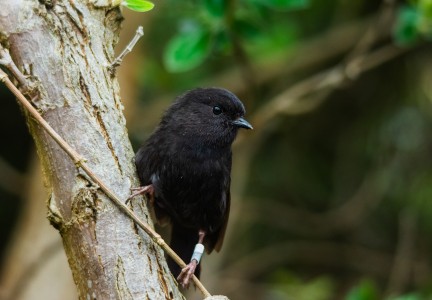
[(217, 110)]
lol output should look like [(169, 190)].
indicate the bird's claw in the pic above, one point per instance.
[(187, 273), (148, 189)]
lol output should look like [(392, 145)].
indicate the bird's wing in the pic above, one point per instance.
[(221, 232), (220, 235), (145, 164)]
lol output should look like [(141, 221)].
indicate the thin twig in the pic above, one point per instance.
[(81, 162), (138, 34)]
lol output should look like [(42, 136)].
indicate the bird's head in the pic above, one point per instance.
[(212, 115)]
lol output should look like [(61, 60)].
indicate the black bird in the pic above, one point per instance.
[(185, 168)]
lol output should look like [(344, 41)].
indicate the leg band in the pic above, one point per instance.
[(198, 252)]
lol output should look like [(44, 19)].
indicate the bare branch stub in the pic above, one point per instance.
[(28, 87), (138, 34)]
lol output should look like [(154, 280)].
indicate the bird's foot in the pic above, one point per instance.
[(148, 189), (186, 274)]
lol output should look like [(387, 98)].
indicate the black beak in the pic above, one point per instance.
[(240, 122)]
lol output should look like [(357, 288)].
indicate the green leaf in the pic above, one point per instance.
[(406, 29), (424, 24), (187, 50), (425, 7), (138, 5), (366, 290), (246, 29), (284, 4), (215, 8)]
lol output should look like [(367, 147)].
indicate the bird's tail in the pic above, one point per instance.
[(183, 241)]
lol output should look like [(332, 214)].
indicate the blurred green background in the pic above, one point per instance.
[(332, 190)]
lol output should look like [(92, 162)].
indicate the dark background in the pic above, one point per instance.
[(332, 193)]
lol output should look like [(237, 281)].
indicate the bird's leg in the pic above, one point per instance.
[(188, 271), (148, 189)]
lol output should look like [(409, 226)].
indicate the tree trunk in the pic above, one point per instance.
[(65, 47)]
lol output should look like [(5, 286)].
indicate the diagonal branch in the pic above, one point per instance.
[(330, 78)]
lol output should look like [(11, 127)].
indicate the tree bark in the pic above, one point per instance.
[(66, 47)]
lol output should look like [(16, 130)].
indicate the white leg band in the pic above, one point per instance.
[(198, 252)]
